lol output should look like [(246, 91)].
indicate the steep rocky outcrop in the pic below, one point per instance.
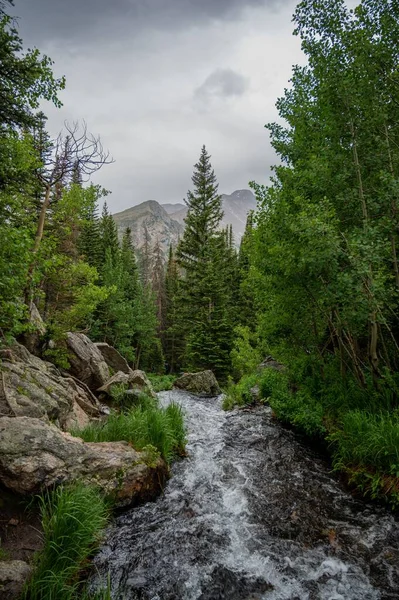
[(113, 358), (203, 383), (31, 387), (86, 361), (35, 455)]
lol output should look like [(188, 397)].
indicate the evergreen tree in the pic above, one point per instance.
[(246, 305), (149, 355), (145, 258), (129, 265), (172, 341), (90, 241), (203, 217), (158, 285), (109, 236), (203, 297)]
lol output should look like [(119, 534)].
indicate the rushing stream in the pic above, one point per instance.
[(251, 514)]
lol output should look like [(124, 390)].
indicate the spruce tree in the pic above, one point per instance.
[(172, 341), (90, 240), (109, 235), (129, 266), (158, 285), (203, 217), (203, 297), (246, 290), (145, 258)]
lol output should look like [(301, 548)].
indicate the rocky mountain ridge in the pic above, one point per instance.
[(155, 222)]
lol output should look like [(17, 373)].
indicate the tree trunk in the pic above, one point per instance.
[(38, 240)]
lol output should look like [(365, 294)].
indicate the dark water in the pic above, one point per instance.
[(251, 514)]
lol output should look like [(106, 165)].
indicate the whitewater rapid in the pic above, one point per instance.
[(251, 514)]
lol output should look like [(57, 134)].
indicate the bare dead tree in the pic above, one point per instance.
[(75, 149)]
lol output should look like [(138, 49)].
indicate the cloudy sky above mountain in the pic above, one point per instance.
[(157, 79)]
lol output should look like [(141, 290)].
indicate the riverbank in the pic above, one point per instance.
[(358, 431)]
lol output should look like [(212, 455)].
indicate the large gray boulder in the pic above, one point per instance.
[(86, 361), (35, 456), (32, 387), (13, 576), (135, 380), (113, 358), (203, 383)]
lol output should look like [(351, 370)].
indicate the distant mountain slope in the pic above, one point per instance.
[(152, 217), (236, 207), (173, 208), (166, 222)]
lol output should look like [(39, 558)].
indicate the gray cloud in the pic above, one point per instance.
[(146, 76), (83, 19), (221, 83)]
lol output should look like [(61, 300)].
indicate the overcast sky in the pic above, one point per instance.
[(157, 79)]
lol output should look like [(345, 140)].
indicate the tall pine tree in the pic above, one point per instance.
[(203, 298)]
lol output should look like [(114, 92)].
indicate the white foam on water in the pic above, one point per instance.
[(205, 522)]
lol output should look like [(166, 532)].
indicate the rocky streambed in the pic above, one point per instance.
[(250, 514)]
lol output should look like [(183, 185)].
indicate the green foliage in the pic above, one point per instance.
[(161, 382), (26, 79), (73, 518), (204, 296), (321, 251), (245, 356), (142, 425), (239, 394), (365, 439), (173, 344), (300, 410)]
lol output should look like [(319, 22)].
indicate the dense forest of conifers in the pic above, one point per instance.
[(315, 282)]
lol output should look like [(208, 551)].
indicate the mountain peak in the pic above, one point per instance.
[(165, 222)]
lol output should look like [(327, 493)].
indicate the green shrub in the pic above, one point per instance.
[(73, 518), (161, 383), (239, 394), (142, 425), (245, 356), (271, 382), (300, 410), (365, 439)]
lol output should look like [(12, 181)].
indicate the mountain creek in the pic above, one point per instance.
[(250, 514)]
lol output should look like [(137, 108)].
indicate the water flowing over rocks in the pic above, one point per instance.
[(203, 383), (35, 455), (251, 514)]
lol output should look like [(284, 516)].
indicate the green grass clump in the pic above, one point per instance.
[(73, 518), (162, 383), (367, 439), (143, 425)]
